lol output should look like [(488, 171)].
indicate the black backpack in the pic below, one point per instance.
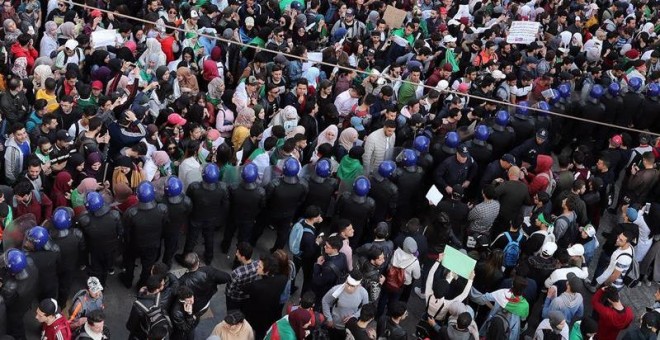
[(341, 276), (153, 316), (571, 233)]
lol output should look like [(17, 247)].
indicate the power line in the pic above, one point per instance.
[(258, 49)]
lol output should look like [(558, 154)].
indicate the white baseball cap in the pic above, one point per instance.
[(71, 44), (576, 250), (448, 39), (549, 249), (497, 74)]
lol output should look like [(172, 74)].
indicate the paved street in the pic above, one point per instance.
[(118, 299)]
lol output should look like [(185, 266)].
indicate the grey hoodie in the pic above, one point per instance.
[(13, 160), (569, 304)]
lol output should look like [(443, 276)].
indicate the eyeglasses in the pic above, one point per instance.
[(281, 35)]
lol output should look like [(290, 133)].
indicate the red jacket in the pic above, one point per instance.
[(58, 330), (42, 210), (538, 183), (610, 321), (29, 53)]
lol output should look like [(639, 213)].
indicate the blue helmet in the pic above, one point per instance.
[(614, 89), (635, 84), (15, 260), (596, 91), (564, 90), (653, 90), (386, 169), (521, 111), (94, 201), (421, 143), (361, 186), (146, 192), (481, 132), (409, 157), (250, 173), (211, 173), (502, 118), (173, 186), (452, 139), (543, 106), (291, 167), (323, 168), (38, 236), (62, 218)]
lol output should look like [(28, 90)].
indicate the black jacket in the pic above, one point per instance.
[(210, 201), (325, 277), (204, 284), (247, 202), (283, 199), (183, 323), (178, 210), (72, 245), (321, 193), (102, 231), (385, 195), (144, 224), (134, 322)]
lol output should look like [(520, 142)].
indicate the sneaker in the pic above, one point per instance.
[(418, 292), (648, 283), (111, 272)]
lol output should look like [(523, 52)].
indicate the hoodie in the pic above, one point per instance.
[(29, 53), (405, 258), (537, 182), (610, 321), (57, 330), (569, 304)]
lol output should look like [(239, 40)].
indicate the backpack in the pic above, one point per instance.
[(512, 250), (485, 329), (631, 279), (395, 278), (571, 233), (549, 237), (296, 236), (153, 317), (552, 183)]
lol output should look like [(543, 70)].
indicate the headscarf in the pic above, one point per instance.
[(160, 158), (216, 53), (153, 49), (347, 138), (98, 58), (122, 192), (298, 319), (214, 88), (87, 185), (103, 73), (210, 70), (578, 39), (61, 185), (119, 177), (312, 76), (92, 158), (11, 36), (125, 54), (68, 30), (245, 118), (51, 28), (322, 139), (189, 80), (41, 73), (298, 129), (372, 18), (20, 67)]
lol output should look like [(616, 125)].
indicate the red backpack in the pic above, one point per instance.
[(395, 278)]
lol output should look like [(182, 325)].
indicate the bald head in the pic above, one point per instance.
[(514, 173)]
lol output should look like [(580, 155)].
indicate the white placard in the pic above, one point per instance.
[(434, 195), (523, 32), (102, 38)]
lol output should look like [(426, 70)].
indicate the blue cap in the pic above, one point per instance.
[(632, 214)]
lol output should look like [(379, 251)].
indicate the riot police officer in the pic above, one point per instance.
[(613, 105), (179, 207), (424, 159), (322, 188), (543, 119), (409, 179), (210, 199), (440, 152), (72, 246), (144, 225), (384, 192), (283, 198), (103, 230), (503, 136), (46, 257), (648, 117), (247, 199), (19, 289), (632, 103), (593, 110), (481, 151), (521, 123), (357, 207)]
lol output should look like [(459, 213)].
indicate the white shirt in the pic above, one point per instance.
[(617, 262), (344, 103)]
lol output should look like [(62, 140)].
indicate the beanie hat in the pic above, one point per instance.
[(410, 245), (555, 317), (48, 307)]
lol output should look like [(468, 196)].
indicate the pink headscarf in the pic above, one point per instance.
[(160, 158), (87, 185)]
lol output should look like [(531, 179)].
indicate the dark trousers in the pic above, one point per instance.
[(15, 325), (101, 262), (388, 298), (171, 242), (337, 334), (307, 267), (244, 233), (148, 257), (283, 228), (63, 289), (207, 230)]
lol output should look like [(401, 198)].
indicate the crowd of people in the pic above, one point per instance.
[(329, 122)]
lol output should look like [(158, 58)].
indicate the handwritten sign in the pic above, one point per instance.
[(394, 17), (523, 32), (458, 262)]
